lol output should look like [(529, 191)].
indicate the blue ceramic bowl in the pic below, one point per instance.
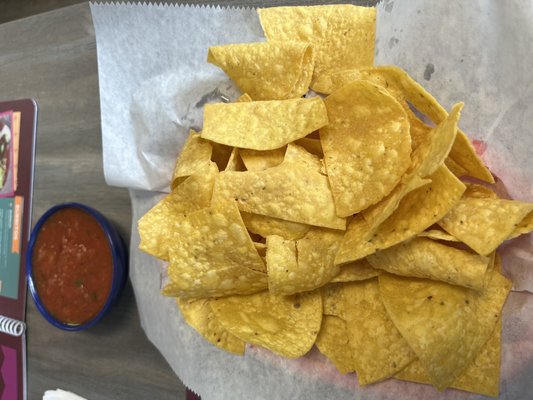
[(120, 266)]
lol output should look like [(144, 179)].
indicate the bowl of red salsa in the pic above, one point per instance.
[(76, 266)]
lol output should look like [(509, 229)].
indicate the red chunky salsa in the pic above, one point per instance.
[(72, 266)]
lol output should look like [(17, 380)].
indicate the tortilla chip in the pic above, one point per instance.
[(366, 145), (263, 125), (445, 325), (425, 258), (282, 265), (341, 35), (525, 226), (332, 341), (199, 315), (437, 234), (475, 190), (376, 214), (157, 227), (313, 146), (245, 97), (302, 265), (464, 154), (481, 376), (286, 325), (359, 270), (195, 157), (214, 256), (418, 130), (405, 89), (267, 70), (380, 351), (294, 191), (316, 254), (484, 223), (267, 226), (417, 211), (255, 160), (429, 155), (456, 169), (235, 162)]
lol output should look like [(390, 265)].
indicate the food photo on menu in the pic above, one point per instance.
[(6, 154)]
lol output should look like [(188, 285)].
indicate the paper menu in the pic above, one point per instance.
[(15, 224), (152, 89)]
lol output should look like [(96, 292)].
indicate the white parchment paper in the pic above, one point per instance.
[(154, 82)]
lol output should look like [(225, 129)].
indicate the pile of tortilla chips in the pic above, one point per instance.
[(337, 219)]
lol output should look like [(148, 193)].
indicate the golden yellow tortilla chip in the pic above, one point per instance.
[(316, 255), (456, 169), (445, 325), (474, 190), (426, 258), (479, 191), (376, 214), (243, 98), (200, 316), (366, 145), (263, 125), (437, 234), (267, 70), (417, 211), (157, 226), (194, 157), (313, 146), (282, 265), (484, 223), (267, 226), (379, 349), (286, 325), (341, 35), (359, 270), (429, 155), (405, 89), (213, 256), (525, 226), (255, 160), (294, 191), (235, 162), (481, 376), (302, 265), (332, 341), (464, 154), (417, 128)]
